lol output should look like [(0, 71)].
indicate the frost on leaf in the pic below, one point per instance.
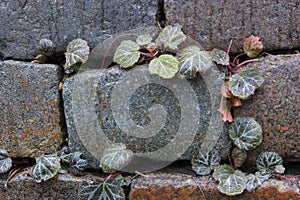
[(165, 66), (77, 52), (255, 180), (144, 39), (220, 57), (171, 37), (192, 60), (127, 53), (46, 167), (246, 133), (279, 169), (231, 182), (77, 164), (268, 161), (239, 156), (5, 161), (204, 163), (116, 157), (253, 46), (244, 84), (108, 190)]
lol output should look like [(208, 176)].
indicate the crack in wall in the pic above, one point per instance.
[(161, 14)]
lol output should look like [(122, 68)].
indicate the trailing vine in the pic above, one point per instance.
[(167, 58)]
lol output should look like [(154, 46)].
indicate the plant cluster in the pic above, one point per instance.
[(167, 57)]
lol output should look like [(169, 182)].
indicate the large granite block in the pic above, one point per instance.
[(276, 107), (160, 119), (24, 23), (29, 108), (213, 23)]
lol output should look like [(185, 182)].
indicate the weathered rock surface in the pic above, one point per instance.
[(157, 118), (62, 187), (180, 186), (214, 23), (29, 108), (276, 107), (24, 23)]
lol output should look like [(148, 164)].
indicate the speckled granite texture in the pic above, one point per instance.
[(276, 106), (29, 108), (24, 23), (213, 23), (172, 122), (179, 186)]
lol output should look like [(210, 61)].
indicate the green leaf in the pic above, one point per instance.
[(116, 156), (220, 57), (108, 190), (204, 163), (231, 182), (267, 161), (77, 52), (46, 167), (123, 181), (107, 169), (127, 53), (165, 66), (192, 60), (245, 132), (254, 181), (244, 84), (77, 164), (171, 37), (5, 161), (144, 39)]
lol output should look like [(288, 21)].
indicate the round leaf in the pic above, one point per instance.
[(204, 163), (108, 190), (171, 37), (256, 180), (231, 182), (116, 156), (220, 57), (165, 66), (5, 161), (46, 167), (192, 60), (144, 40), (244, 84), (77, 164), (77, 52), (246, 133), (268, 161), (127, 53)]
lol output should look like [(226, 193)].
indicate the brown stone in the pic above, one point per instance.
[(275, 106), (181, 187), (29, 108), (214, 23)]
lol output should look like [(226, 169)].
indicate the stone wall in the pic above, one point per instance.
[(31, 107)]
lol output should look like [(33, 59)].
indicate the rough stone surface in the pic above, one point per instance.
[(24, 23), (276, 107), (214, 23), (162, 106), (62, 187), (29, 108), (180, 186)]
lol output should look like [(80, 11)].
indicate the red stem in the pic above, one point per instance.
[(245, 62), (229, 47), (113, 175), (235, 58)]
